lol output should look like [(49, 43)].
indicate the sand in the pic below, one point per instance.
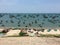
[(29, 41)]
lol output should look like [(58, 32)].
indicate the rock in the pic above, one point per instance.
[(1, 30), (31, 32), (13, 33)]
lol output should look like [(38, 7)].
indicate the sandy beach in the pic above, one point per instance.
[(29, 41)]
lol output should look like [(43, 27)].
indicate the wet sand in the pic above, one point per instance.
[(29, 41)]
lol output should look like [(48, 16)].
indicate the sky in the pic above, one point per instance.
[(29, 6)]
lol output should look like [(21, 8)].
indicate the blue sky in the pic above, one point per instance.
[(29, 6)]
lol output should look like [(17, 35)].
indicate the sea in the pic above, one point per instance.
[(36, 20)]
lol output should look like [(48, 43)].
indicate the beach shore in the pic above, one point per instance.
[(29, 41)]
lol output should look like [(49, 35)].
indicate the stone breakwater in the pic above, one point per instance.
[(31, 32)]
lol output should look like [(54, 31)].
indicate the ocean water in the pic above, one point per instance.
[(37, 20)]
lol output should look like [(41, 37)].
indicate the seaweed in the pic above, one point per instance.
[(1, 15), (30, 24), (19, 22), (29, 15), (18, 15), (53, 17), (40, 25), (59, 25), (22, 34), (33, 16), (55, 29), (23, 22), (42, 30), (1, 21), (45, 16), (11, 16), (6, 21), (48, 30), (3, 25), (26, 26), (25, 16), (36, 21), (37, 15), (18, 25), (51, 21), (43, 19), (11, 21)]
